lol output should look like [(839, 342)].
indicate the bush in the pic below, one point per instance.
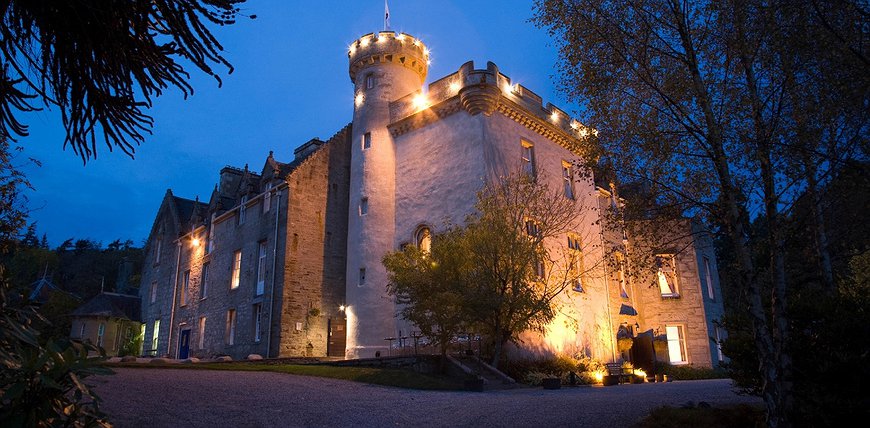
[(531, 371), (690, 372)]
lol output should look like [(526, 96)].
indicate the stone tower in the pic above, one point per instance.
[(383, 68)]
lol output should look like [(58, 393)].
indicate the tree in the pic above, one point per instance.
[(706, 103), (102, 65), (430, 287)]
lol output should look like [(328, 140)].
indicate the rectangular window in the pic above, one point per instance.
[(203, 282), (708, 277), (153, 291), (101, 331), (185, 288), (719, 345), (237, 269), (533, 229), (370, 81), (567, 180), (201, 331), (267, 198), (666, 275), (540, 269), (623, 286), (243, 210), (261, 269), (362, 276), (528, 158), (363, 206), (576, 262), (231, 327), (82, 331), (209, 246), (676, 344), (367, 141), (155, 333), (258, 312), (158, 245)]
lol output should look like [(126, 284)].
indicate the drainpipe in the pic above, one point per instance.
[(607, 291), (274, 264), (174, 295)]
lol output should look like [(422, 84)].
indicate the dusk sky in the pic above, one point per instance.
[(290, 84)]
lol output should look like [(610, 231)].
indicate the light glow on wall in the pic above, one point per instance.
[(421, 101), (455, 86), (560, 332), (358, 100)]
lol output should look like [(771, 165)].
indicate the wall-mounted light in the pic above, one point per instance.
[(341, 308), (195, 242)]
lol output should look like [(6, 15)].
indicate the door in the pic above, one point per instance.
[(184, 345), (337, 337)]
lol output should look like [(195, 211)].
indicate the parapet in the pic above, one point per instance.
[(388, 47)]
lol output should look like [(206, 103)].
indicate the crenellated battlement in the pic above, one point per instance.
[(388, 47), (485, 91)]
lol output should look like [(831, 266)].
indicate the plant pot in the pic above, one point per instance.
[(660, 377), (637, 379), (551, 383), (610, 380)]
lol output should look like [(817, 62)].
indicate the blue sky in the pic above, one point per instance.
[(290, 84)]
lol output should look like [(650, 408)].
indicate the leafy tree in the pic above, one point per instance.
[(430, 287), (101, 65), (727, 110)]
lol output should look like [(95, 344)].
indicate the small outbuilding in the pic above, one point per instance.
[(111, 321)]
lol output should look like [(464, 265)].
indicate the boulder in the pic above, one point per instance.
[(190, 360), (224, 358), (128, 359), (255, 357)]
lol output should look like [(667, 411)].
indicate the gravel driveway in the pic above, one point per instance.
[(204, 398)]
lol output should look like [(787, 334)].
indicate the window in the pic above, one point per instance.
[(708, 277), (367, 141), (155, 333), (528, 158), (82, 331), (209, 246), (362, 276), (185, 288), (533, 229), (363, 206), (623, 286), (237, 269), (231, 327), (201, 337), (719, 353), (567, 180), (540, 269), (261, 269), (153, 291), (666, 275), (243, 209), (258, 311), (676, 344), (576, 260), (423, 237), (158, 246), (370, 81), (203, 282), (101, 331), (267, 198)]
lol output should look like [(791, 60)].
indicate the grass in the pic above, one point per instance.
[(739, 416), (379, 376)]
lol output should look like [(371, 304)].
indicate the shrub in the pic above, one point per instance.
[(531, 371), (690, 372)]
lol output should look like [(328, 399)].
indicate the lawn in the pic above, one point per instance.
[(740, 416)]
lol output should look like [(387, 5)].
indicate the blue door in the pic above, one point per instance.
[(184, 345)]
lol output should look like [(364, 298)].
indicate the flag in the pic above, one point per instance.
[(386, 16)]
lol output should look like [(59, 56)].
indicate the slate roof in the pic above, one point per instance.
[(41, 288), (113, 305)]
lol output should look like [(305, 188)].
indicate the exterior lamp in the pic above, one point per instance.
[(195, 242), (341, 308)]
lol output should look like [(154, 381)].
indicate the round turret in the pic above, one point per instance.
[(388, 47)]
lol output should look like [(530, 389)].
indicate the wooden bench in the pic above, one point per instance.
[(615, 369)]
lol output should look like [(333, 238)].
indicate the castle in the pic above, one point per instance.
[(286, 261)]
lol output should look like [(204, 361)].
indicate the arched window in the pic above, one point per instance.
[(423, 238)]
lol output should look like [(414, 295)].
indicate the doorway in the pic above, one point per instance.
[(184, 345), (337, 337)]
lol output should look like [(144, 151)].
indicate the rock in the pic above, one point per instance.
[(190, 360), (128, 359), (255, 357), (224, 358), (158, 361), (114, 360)]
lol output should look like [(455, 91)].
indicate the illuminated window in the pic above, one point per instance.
[(155, 333), (676, 344), (666, 275), (153, 291), (708, 278), (101, 331), (261, 268), (231, 327), (243, 209), (533, 229), (185, 288), (567, 180), (364, 206), (367, 141), (528, 158), (424, 239), (267, 198), (203, 283), (258, 311), (237, 269), (362, 276), (201, 332)]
